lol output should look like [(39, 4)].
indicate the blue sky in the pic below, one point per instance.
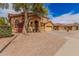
[(55, 10), (58, 9)]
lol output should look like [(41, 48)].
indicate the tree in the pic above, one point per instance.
[(37, 8), (4, 5), (25, 8), (2, 21), (40, 10)]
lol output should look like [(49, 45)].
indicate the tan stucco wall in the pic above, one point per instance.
[(31, 28), (49, 27), (73, 28)]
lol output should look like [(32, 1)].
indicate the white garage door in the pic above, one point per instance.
[(48, 29)]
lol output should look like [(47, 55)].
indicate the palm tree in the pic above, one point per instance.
[(37, 8)]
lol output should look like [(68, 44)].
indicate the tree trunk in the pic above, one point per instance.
[(25, 23)]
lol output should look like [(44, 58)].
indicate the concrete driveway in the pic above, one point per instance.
[(57, 43), (35, 44), (71, 47)]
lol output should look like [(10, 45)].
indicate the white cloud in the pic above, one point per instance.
[(67, 18), (4, 12)]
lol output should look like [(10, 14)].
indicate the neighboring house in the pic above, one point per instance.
[(36, 23), (59, 26)]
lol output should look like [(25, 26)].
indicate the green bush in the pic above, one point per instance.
[(2, 21), (5, 31)]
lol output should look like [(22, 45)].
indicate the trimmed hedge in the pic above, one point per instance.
[(5, 31)]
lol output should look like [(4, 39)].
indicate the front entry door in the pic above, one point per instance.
[(19, 26), (36, 26)]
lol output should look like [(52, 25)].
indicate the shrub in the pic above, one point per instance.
[(2, 21), (5, 31)]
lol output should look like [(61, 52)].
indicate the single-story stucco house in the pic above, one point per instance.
[(36, 23)]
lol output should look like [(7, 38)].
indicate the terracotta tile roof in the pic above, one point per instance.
[(59, 24)]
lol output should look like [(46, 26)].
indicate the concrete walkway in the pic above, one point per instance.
[(71, 47)]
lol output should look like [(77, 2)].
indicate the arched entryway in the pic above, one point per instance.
[(19, 25), (36, 26), (16, 23)]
